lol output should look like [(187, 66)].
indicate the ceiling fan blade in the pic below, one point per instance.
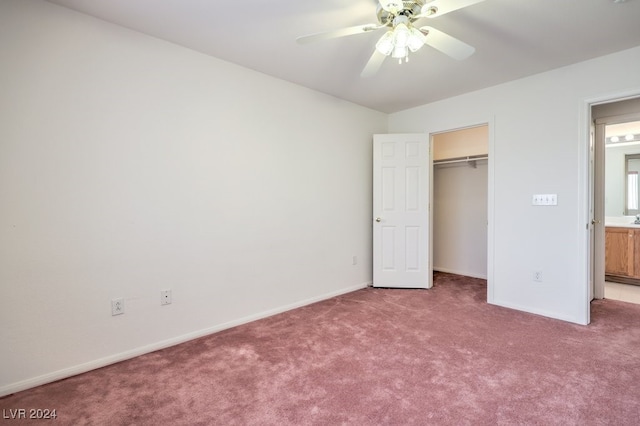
[(446, 44), (358, 29), (374, 64), (440, 7)]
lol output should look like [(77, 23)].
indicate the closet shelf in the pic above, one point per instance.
[(470, 159)]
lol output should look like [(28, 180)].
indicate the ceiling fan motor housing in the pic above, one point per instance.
[(411, 9)]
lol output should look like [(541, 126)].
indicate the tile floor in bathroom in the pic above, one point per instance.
[(622, 292)]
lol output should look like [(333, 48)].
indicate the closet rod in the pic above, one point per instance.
[(460, 160)]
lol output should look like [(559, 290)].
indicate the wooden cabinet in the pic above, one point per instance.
[(622, 252)]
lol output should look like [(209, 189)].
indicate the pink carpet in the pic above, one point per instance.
[(374, 357)]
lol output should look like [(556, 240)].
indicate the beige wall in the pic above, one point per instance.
[(461, 143)]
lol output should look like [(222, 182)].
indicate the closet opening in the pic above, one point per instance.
[(460, 201)]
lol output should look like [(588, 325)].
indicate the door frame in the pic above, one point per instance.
[(490, 123)]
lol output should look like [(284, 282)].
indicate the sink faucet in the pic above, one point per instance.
[(637, 221)]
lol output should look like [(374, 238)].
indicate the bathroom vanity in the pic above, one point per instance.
[(622, 253)]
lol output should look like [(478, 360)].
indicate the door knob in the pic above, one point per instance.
[(378, 219)]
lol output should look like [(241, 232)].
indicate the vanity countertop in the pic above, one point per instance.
[(621, 222)]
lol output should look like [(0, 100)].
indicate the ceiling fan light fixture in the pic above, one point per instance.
[(402, 39), (385, 44), (401, 35), (400, 53), (416, 40)]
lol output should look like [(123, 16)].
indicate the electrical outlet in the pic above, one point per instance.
[(165, 297), (354, 261), (117, 306), (537, 276)]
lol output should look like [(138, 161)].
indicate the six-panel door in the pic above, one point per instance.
[(401, 211)]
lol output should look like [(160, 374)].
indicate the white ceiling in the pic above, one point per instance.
[(513, 39)]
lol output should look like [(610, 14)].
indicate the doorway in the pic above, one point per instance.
[(615, 125), (403, 189), (460, 201)]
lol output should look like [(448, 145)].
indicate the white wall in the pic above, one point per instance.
[(538, 144), (130, 165)]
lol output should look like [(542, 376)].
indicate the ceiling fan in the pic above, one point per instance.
[(402, 36)]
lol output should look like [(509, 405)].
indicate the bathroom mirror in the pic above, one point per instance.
[(632, 190), (622, 169)]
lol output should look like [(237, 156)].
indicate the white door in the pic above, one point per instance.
[(401, 194)]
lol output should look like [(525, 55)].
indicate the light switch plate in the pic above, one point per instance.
[(545, 200)]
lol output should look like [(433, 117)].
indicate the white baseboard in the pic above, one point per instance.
[(123, 356), (457, 272), (540, 312)]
